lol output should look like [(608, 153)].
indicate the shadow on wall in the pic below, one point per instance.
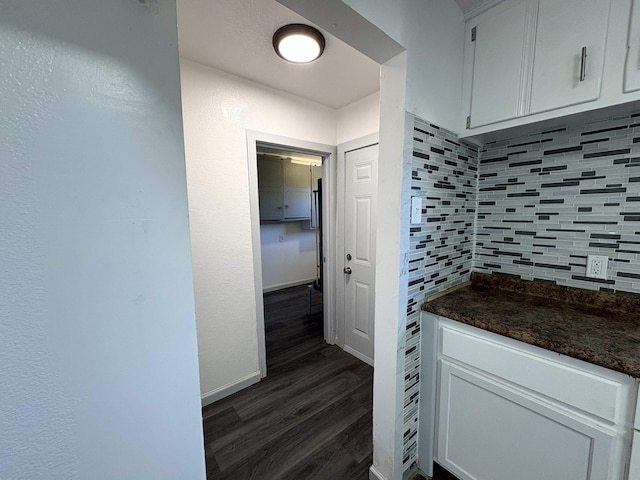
[(85, 43)]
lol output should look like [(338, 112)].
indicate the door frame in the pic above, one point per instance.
[(328, 154), (343, 149)]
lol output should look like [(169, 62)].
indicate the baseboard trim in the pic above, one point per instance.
[(280, 286), (375, 474), (358, 355), (230, 388)]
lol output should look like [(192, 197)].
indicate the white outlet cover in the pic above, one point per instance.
[(597, 266), (416, 210)]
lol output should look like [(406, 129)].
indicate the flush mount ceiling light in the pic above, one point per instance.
[(298, 43)]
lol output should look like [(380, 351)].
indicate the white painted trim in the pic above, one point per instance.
[(252, 138), (343, 149), (328, 153), (481, 8), (329, 209), (375, 474), (295, 283), (358, 355), (428, 392), (230, 388)]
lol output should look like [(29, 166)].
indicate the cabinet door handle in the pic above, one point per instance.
[(583, 64)]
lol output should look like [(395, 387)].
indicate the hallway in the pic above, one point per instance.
[(310, 418)]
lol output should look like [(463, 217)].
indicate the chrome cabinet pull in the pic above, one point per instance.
[(583, 64)]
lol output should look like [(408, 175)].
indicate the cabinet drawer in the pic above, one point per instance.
[(535, 370)]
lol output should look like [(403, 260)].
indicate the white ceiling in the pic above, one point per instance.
[(235, 36)]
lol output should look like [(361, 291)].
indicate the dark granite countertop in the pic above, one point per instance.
[(599, 327)]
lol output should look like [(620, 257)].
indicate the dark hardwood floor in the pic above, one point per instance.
[(310, 418)]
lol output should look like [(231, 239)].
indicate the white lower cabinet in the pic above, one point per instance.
[(506, 410), (634, 464), (489, 432)]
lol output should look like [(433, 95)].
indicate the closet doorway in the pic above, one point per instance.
[(291, 205), (290, 201)]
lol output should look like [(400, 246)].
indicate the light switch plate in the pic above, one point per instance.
[(597, 266), (416, 210)]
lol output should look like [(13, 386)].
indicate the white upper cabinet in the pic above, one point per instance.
[(530, 61), (569, 53), (270, 188), (284, 189), (632, 64), (297, 190), (499, 56)]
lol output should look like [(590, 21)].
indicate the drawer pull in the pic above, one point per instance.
[(583, 64)]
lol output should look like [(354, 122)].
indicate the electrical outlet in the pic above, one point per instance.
[(597, 266)]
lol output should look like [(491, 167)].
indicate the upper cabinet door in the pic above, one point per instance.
[(297, 191), (270, 185), (269, 172), (499, 40), (569, 53), (632, 66), (296, 176)]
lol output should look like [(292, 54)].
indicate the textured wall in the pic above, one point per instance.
[(548, 200), (444, 175), (434, 74), (289, 255), (218, 109), (98, 359), (359, 119)]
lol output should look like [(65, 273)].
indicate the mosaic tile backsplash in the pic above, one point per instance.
[(539, 205), (546, 201), (444, 175)]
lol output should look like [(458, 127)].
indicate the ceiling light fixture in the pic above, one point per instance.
[(298, 43)]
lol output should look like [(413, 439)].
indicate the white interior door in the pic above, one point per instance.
[(361, 172)]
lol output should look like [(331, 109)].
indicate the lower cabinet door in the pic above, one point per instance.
[(489, 431), (271, 207), (297, 204), (634, 465)]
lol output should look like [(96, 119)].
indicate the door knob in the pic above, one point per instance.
[(347, 270)]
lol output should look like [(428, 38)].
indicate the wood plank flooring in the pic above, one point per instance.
[(310, 418)]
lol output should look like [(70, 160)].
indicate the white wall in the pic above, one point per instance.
[(98, 355), (432, 31), (426, 80), (288, 255), (359, 119), (218, 109)]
